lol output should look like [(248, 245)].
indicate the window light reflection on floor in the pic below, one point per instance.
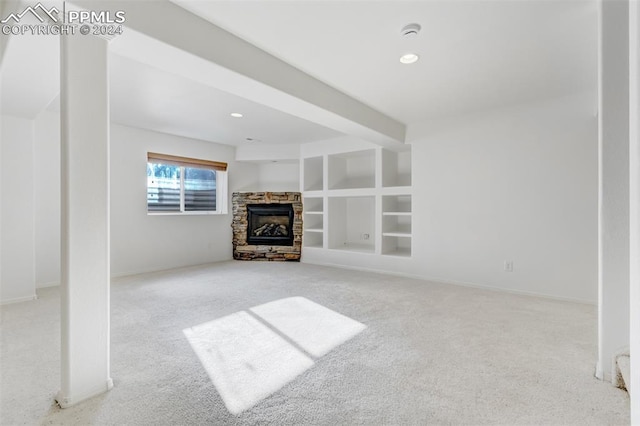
[(251, 355)]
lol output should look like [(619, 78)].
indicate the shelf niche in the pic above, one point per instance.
[(399, 225), (352, 223), (396, 246), (313, 205), (399, 204), (396, 168), (312, 239), (313, 222), (396, 225), (352, 170), (313, 174)]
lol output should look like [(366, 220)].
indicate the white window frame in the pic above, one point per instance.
[(222, 189)]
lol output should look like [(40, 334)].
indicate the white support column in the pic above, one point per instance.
[(613, 326), (85, 219), (634, 198)]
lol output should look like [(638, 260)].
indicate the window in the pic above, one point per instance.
[(185, 185)]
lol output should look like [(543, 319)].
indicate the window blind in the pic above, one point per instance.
[(182, 184), (154, 157)]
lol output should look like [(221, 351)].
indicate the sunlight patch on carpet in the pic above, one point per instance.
[(246, 361), (313, 327), (249, 359)]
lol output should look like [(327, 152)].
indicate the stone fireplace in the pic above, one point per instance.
[(267, 225)]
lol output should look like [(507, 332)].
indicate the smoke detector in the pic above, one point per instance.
[(410, 30)]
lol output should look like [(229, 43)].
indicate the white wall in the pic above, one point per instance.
[(516, 184), (47, 199), (280, 176), (519, 185), (17, 275), (140, 242)]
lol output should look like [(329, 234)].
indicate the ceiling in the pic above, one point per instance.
[(474, 55), (146, 97)]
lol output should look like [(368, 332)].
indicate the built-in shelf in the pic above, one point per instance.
[(312, 239), (396, 204), (397, 234), (396, 225), (352, 170), (351, 197), (313, 174), (397, 250), (313, 205), (313, 222), (396, 168), (352, 223)]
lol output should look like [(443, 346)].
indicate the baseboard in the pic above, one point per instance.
[(452, 282), (18, 300), (65, 401), (152, 270), (599, 372)]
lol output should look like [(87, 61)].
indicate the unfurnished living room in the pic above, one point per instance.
[(319, 212)]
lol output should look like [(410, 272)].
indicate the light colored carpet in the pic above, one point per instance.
[(424, 353)]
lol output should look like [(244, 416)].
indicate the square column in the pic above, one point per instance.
[(85, 245), (614, 261)]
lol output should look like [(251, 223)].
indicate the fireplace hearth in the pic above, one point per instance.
[(267, 225)]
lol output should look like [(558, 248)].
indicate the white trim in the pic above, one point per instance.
[(599, 374), (19, 300), (65, 401), (174, 268)]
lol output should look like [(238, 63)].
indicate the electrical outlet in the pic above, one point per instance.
[(508, 265), (365, 236)]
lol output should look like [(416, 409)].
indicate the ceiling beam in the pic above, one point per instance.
[(166, 35)]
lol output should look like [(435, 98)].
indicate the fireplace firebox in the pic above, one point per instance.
[(270, 224)]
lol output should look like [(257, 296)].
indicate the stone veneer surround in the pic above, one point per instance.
[(244, 251)]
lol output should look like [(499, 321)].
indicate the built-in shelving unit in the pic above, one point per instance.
[(396, 225), (313, 221), (358, 201)]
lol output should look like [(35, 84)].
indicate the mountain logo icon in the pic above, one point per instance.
[(39, 11)]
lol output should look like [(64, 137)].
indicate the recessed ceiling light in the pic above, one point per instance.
[(409, 58), (236, 115)]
